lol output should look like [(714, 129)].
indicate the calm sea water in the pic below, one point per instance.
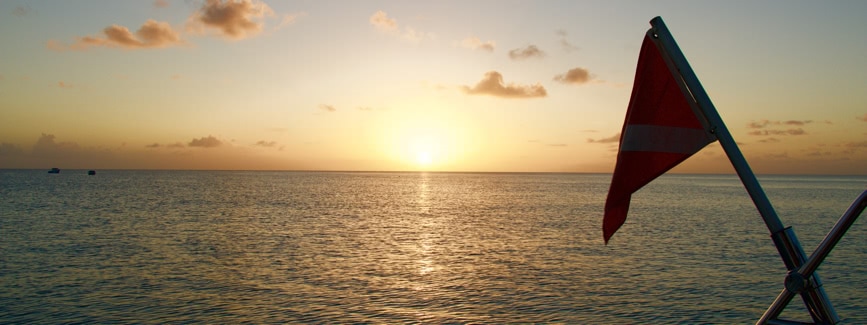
[(299, 247)]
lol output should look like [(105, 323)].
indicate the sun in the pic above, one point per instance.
[(416, 144), (426, 150), (423, 158)]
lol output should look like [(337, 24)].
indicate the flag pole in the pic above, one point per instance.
[(784, 237)]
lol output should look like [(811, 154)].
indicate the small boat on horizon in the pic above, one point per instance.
[(91, 172), (54, 170)]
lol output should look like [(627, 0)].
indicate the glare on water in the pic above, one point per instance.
[(292, 247)]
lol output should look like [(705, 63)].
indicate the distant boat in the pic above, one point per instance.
[(91, 172), (54, 171)]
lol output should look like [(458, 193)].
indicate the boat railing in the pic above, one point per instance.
[(799, 278)]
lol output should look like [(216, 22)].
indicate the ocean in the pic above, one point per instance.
[(408, 248)]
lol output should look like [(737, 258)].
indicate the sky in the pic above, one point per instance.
[(488, 86)]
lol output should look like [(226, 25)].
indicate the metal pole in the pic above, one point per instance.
[(784, 238), (834, 235), (796, 281)]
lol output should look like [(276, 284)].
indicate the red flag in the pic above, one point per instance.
[(661, 130)]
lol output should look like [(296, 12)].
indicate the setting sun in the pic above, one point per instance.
[(426, 148), (423, 158)]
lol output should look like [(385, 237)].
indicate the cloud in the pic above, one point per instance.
[(568, 47), (328, 108), (383, 23), (48, 152), (530, 51), (758, 125), (474, 43), (816, 153), (153, 34), (233, 19), (289, 19), (857, 145), (266, 144), (765, 123), (46, 146), (492, 84), (612, 139), (763, 127), (161, 4), (574, 76), (206, 142), (62, 84), (21, 11), (201, 142), (863, 118), (770, 140), (380, 20), (797, 131), (9, 149), (558, 145)]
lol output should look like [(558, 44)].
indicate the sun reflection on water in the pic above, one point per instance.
[(396, 248)]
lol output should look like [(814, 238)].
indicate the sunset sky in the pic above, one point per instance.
[(499, 86)]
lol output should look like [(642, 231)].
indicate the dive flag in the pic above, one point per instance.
[(662, 129)]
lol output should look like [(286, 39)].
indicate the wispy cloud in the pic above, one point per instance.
[(575, 76), (474, 43), (769, 128), (796, 131), (383, 23), (857, 145), (161, 4), (266, 144), (863, 118), (234, 19), (612, 139), (205, 142), (492, 84), (289, 19), (21, 11), (327, 108), (766, 123), (380, 20), (153, 34), (530, 51), (567, 46), (62, 84)]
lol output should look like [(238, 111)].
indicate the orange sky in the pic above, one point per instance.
[(394, 85)]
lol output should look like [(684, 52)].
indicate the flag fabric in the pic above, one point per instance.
[(662, 129)]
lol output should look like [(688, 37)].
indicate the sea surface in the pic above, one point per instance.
[(417, 248)]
